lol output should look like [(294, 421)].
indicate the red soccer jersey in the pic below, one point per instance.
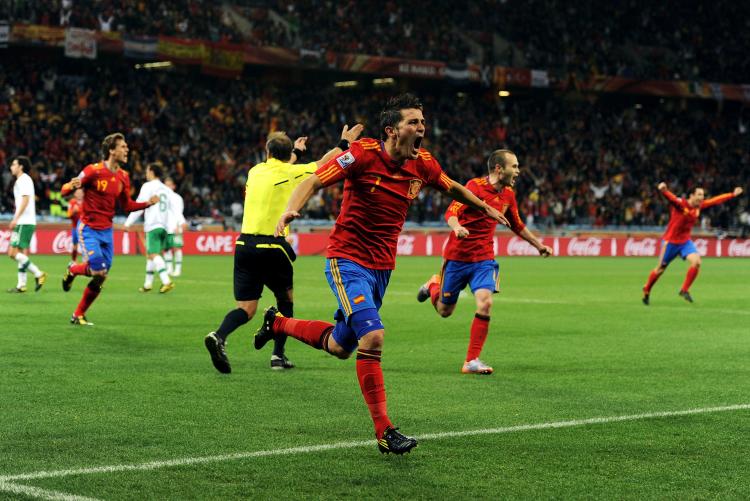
[(683, 216), (477, 246), (102, 190), (377, 195), (74, 211)]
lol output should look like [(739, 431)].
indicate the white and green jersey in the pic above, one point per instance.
[(156, 216), (25, 186), (177, 217)]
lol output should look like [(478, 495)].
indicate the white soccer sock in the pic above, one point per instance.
[(161, 269), (22, 260), (149, 282), (178, 261), (168, 257), (25, 262)]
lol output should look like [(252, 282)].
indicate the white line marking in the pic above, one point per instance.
[(36, 492), (153, 465)]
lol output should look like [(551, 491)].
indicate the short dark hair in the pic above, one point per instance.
[(24, 162), (110, 142), (391, 114), (279, 146), (696, 188), (498, 157), (156, 169)]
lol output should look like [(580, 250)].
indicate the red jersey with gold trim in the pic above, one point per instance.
[(74, 211), (477, 246), (102, 190), (683, 216), (377, 195)]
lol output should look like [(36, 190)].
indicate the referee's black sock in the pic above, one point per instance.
[(286, 308), (234, 319)]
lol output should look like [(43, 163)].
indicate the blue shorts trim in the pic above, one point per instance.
[(673, 250), (359, 292), (74, 235), (98, 246), (458, 274)]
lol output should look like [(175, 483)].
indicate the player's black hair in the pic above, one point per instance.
[(391, 114), (498, 157), (279, 146), (156, 169), (24, 162), (110, 142), (696, 188)]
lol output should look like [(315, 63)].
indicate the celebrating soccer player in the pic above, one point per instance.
[(381, 178), (676, 240), (469, 257), (104, 183)]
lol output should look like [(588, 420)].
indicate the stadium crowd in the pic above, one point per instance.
[(586, 163), (633, 38)]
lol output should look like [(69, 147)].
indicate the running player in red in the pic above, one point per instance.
[(104, 183), (75, 205), (381, 179), (676, 240), (469, 256)]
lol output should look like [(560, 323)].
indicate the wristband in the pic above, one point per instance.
[(298, 153), (343, 145)]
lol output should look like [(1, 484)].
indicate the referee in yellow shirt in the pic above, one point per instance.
[(260, 259)]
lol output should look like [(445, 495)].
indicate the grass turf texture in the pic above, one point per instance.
[(569, 339)]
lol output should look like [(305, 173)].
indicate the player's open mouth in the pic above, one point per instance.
[(417, 143)]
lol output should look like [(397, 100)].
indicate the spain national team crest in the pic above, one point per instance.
[(414, 186)]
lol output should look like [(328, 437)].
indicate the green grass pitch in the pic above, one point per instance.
[(569, 340)]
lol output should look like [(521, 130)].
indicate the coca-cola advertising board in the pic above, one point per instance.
[(48, 241)]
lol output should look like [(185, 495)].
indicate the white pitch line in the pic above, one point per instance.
[(154, 465), (36, 492)]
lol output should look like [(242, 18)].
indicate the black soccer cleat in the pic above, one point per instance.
[(423, 294), (80, 320), (686, 295), (646, 298), (265, 333), (215, 347), (40, 281), (279, 363), (395, 442), (16, 290), (67, 281)]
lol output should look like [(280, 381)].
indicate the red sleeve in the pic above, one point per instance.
[(719, 199), (435, 176), (672, 198), (455, 209), (516, 223), (126, 203), (343, 165)]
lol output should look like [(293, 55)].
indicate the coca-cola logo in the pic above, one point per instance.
[(520, 247), (591, 246), (215, 244), (4, 241), (702, 245), (405, 246), (739, 248), (644, 247), (63, 243)]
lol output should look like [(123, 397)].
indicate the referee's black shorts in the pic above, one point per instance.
[(262, 260)]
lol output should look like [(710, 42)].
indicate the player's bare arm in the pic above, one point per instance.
[(544, 250), (462, 194), (299, 198), (347, 136), (24, 203), (459, 230)]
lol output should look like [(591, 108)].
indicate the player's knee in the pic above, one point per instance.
[(12, 252), (445, 310), (97, 282), (372, 340)]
